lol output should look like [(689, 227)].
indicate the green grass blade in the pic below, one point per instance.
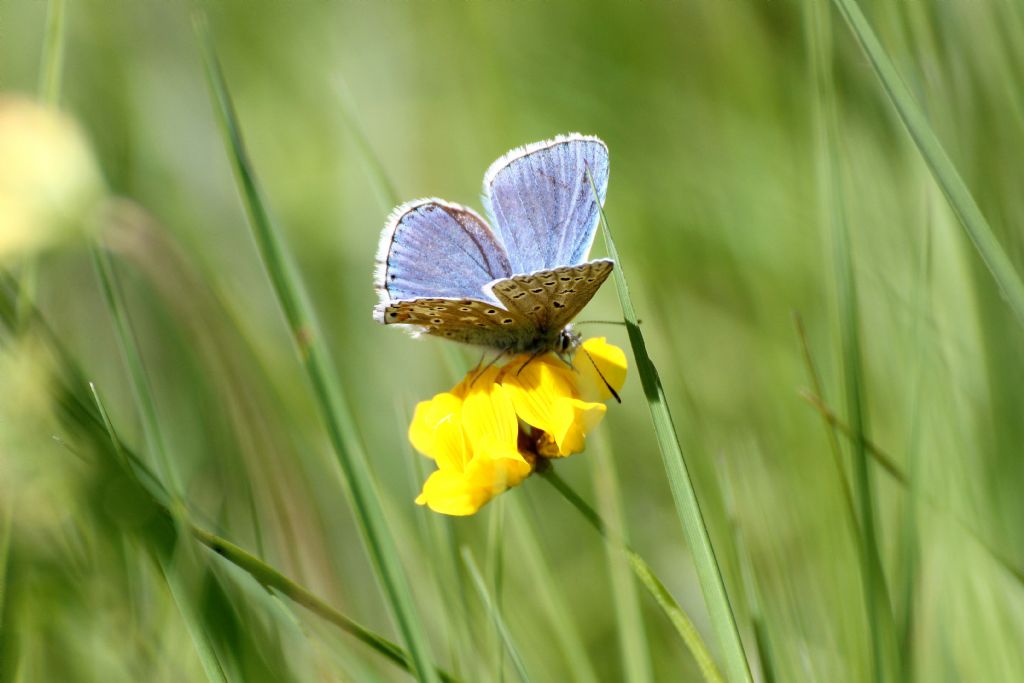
[(341, 429), (136, 370), (687, 507), (5, 549), (830, 428), (193, 624), (51, 68), (270, 577), (888, 464), (499, 622), (93, 416), (941, 166), (496, 569), (531, 556), (150, 426), (680, 620), (632, 632), (53, 53), (880, 622)]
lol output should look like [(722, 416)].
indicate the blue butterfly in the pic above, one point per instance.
[(443, 271)]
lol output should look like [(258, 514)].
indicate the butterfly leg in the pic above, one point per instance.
[(536, 354), (479, 362), (485, 368)]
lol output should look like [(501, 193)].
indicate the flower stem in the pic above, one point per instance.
[(682, 623)]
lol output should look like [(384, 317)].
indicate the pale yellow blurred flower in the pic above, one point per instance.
[(49, 180)]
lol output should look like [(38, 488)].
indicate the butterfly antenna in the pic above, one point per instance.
[(601, 375), (603, 322)]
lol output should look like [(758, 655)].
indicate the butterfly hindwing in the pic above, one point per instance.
[(542, 204), (551, 298), (469, 321)]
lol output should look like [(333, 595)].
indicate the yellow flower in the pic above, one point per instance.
[(472, 434), (487, 434), (561, 401), (49, 180)]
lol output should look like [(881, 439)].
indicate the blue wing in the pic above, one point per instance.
[(434, 249), (541, 202)]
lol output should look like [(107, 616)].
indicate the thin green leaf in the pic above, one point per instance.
[(941, 166), (687, 506), (51, 68), (531, 556), (888, 464), (632, 632), (150, 426), (305, 331), (880, 624), (499, 622), (680, 620)]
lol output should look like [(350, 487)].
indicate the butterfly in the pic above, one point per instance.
[(513, 284)]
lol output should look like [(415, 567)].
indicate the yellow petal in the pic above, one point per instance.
[(544, 394), (489, 418), (596, 359), (572, 419), (447, 492), (436, 431), (463, 493), (536, 388)]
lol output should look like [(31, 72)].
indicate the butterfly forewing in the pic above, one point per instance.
[(541, 201), (469, 321), (551, 298)]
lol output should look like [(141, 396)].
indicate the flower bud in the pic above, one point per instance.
[(49, 180)]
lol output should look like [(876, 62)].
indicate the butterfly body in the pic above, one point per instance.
[(443, 271)]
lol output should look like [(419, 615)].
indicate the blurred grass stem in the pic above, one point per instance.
[(682, 623), (309, 341), (687, 506)]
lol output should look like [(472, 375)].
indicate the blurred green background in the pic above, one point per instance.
[(724, 215)]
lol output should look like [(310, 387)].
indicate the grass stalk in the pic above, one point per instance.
[(879, 616), (632, 632), (51, 68), (941, 166), (687, 506), (136, 371), (680, 620), (150, 426), (830, 428), (305, 332), (531, 556), (888, 464), (269, 577), (52, 64), (499, 622), (263, 573)]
